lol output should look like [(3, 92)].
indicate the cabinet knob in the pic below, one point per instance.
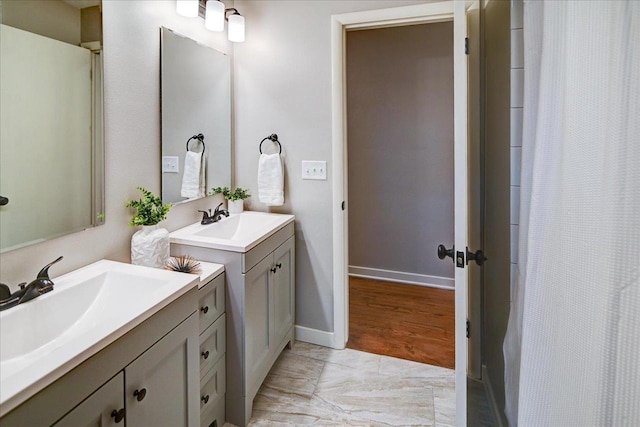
[(273, 270), (205, 399), (117, 415), (140, 394), (205, 309), (279, 265), (205, 354)]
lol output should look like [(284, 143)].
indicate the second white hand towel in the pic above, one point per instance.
[(192, 175), (270, 180)]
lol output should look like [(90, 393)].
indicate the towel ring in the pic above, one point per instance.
[(199, 137), (273, 138)]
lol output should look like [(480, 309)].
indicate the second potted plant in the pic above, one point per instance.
[(235, 199)]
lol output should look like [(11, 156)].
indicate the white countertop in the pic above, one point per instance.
[(43, 339)]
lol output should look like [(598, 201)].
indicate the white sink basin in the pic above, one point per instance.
[(237, 233), (88, 309)]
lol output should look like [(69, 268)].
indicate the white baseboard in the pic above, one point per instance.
[(488, 388), (314, 336), (402, 277)]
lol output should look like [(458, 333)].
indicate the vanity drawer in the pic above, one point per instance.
[(212, 390), (212, 344), (214, 416), (211, 301)]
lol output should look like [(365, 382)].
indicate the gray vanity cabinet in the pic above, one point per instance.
[(259, 313), (151, 373)]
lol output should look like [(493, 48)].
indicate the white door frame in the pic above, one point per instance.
[(423, 13)]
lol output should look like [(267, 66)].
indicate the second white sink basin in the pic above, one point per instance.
[(237, 233), (88, 309)]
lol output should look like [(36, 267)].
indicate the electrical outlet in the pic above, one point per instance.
[(314, 169), (170, 164)]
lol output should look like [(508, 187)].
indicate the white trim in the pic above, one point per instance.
[(314, 336), (491, 398), (402, 277)]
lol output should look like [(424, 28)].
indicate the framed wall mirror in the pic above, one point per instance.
[(196, 118), (51, 121)]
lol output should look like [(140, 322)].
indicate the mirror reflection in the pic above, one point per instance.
[(51, 137), (196, 118)]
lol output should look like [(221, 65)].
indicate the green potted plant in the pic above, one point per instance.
[(235, 199), (150, 245)]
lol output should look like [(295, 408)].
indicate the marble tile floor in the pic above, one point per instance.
[(313, 385)]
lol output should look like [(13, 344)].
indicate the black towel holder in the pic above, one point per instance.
[(273, 138), (199, 137)]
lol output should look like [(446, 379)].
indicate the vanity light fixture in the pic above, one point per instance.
[(236, 26), (188, 8), (214, 14)]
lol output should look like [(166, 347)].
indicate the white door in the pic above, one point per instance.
[(460, 204)]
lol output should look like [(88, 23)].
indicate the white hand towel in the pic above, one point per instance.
[(270, 180), (192, 176)]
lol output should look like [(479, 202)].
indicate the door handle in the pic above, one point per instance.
[(477, 256), (444, 252)]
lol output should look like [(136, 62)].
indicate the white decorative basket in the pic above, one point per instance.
[(150, 246), (235, 206)]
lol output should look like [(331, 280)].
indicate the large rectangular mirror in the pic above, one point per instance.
[(196, 118), (51, 138)]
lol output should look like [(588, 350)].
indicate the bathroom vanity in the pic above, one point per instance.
[(128, 355), (258, 252)]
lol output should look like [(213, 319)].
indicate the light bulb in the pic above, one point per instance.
[(188, 8), (214, 16), (236, 28)]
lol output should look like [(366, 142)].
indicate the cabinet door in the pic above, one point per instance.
[(257, 317), (284, 289), (162, 385), (97, 409)]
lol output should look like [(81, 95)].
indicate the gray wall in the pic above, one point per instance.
[(283, 85), (132, 138), (400, 147)]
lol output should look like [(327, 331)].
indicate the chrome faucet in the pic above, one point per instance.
[(209, 218), (41, 285)]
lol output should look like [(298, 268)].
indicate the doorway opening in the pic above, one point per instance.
[(400, 161)]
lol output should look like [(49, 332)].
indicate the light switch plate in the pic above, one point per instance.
[(314, 169), (170, 164)]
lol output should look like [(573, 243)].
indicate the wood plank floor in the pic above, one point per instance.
[(405, 321)]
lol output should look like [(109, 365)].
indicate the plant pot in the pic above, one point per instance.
[(235, 206), (150, 246)]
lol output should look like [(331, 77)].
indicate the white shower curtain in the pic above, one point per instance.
[(572, 349)]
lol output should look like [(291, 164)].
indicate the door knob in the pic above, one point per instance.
[(444, 252), (477, 256)]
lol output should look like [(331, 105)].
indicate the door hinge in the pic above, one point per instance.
[(468, 328), (466, 45)]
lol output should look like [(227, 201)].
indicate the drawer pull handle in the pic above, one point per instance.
[(205, 309), (205, 399), (117, 415), (205, 354), (140, 394)]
